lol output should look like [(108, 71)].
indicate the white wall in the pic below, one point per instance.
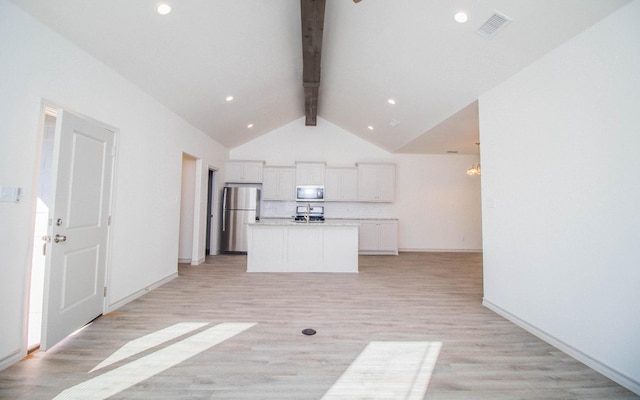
[(438, 205), (561, 196), (38, 64)]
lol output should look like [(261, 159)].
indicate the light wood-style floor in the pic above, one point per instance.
[(411, 297)]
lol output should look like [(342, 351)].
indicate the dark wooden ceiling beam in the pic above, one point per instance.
[(312, 16)]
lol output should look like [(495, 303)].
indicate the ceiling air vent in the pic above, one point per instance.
[(493, 25)]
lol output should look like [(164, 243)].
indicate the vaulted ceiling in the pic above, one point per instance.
[(411, 51)]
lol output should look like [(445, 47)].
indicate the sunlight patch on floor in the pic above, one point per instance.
[(383, 370), (121, 378), (388, 370), (149, 341)]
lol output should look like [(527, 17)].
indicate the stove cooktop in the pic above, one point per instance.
[(312, 218)]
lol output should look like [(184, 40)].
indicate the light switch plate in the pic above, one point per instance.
[(9, 193)]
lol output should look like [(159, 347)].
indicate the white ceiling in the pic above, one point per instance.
[(409, 50)]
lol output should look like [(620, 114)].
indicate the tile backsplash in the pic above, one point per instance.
[(285, 209)]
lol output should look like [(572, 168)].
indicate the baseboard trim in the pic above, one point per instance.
[(131, 297), (200, 261), (410, 250), (589, 361), (377, 253), (11, 359)]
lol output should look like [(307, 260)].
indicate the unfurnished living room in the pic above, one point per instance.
[(311, 199)]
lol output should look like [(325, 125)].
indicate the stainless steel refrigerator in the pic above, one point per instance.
[(240, 206)]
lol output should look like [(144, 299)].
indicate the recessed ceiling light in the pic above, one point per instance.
[(229, 98), (461, 17), (370, 127), (250, 126), (163, 9), (391, 101)]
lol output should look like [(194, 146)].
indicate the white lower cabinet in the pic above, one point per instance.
[(378, 237)]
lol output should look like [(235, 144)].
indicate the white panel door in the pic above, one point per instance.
[(76, 255)]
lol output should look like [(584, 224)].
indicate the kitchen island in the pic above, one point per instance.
[(282, 245)]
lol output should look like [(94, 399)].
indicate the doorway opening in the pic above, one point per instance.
[(44, 181)]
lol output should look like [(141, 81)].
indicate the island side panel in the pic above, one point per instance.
[(305, 248), (340, 250), (266, 248)]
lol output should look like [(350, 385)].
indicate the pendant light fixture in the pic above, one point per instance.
[(475, 168)]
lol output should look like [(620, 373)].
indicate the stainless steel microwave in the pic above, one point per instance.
[(310, 193)]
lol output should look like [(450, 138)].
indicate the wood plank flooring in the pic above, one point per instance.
[(434, 297)]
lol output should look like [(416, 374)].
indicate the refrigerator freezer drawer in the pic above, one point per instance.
[(234, 230)]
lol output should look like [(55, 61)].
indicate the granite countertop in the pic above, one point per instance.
[(364, 219)]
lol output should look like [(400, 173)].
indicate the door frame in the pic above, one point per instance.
[(44, 105), (211, 236), (203, 207), (187, 228)]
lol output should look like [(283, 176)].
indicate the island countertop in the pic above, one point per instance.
[(290, 221)]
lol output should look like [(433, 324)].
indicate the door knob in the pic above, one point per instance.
[(60, 238)]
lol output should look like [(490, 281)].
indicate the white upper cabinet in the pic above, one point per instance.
[(279, 183), (310, 173), (341, 184), (376, 182), (243, 171)]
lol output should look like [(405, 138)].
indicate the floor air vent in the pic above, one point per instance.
[(493, 25)]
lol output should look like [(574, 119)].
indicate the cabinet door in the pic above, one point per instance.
[(376, 182), (243, 171), (341, 184), (386, 183), (349, 184), (310, 173), (388, 231), (253, 172), (270, 184), (333, 185), (278, 183), (234, 172), (368, 236), (287, 184), (367, 183)]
